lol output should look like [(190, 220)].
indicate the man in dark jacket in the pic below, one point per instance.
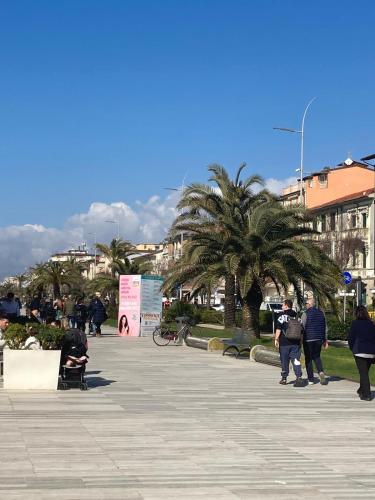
[(315, 336), (81, 313), (290, 349), (97, 314)]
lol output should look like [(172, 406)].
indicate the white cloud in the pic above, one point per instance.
[(276, 185), (23, 246), (26, 245)]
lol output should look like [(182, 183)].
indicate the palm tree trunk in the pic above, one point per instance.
[(250, 311), (208, 305), (230, 306), (56, 290)]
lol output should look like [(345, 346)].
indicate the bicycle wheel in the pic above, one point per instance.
[(162, 336)]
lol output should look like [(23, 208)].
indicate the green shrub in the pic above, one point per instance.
[(337, 329), (48, 336), (179, 308), (265, 321), (112, 311), (239, 318), (15, 335), (213, 317)]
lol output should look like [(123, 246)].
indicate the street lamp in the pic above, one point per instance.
[(302, 132), (118, 226), (94, 234), (181, 189), (178, 189)]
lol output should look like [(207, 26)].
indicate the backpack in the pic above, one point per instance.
[(294, 329), (81, 312)]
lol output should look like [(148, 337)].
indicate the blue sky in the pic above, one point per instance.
[(112, 101)]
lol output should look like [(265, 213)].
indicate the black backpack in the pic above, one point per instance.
[(294, 329)]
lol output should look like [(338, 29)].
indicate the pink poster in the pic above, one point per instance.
[(129, 314)]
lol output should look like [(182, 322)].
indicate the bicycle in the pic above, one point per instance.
[(163, 336)]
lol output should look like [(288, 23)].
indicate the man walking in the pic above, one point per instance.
[(288, 338), (69, 311), (10, 307), (97, 314), (314, 323), (81, 314)]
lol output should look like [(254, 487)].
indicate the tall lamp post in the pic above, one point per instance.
[(181, 189), (94, 234), (118, 226), (302, 132)]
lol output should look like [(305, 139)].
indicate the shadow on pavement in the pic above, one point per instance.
[(99, 381)]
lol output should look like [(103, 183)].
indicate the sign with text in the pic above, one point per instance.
[(140, 305), (129, 311), (151, 303)]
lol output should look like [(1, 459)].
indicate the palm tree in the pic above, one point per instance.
[(55, 275), (108, 284), (266, 245), (215, 208), (116, 253), (272, 248)]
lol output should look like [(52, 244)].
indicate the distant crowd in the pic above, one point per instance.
[(64, 312)]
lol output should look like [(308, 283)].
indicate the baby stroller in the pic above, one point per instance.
[(73, 360)]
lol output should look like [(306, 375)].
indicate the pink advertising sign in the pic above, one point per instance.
[(129, 315)]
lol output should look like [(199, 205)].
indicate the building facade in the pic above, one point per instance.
[(342, 198)]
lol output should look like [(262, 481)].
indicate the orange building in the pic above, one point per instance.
[(342, 198), (333, 183)]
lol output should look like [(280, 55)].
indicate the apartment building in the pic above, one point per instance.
[(342, 198)]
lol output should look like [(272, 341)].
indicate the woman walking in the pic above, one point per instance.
[(361, 339)]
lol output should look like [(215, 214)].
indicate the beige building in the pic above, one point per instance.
[(80, 255)]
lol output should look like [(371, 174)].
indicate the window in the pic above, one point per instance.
[(333, 221), (315, 225), (364, 263), (353, 221), (324, 223), (354, 258), (323, 180), (364, 221)]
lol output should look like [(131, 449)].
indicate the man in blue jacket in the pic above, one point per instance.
[(97, 314), (315, 336)]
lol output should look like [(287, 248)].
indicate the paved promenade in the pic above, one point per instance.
[(177, 423)]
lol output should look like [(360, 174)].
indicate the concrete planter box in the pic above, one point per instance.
[(31, 370)]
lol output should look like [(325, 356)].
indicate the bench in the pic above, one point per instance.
[(238, 345)]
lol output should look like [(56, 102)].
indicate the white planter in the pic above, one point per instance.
[(31, 370)]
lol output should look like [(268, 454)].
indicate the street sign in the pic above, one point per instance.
[(347, 277)]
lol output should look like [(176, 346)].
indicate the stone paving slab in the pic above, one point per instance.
[(180, 423)]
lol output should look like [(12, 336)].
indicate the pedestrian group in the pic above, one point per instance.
[(310, 333)]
